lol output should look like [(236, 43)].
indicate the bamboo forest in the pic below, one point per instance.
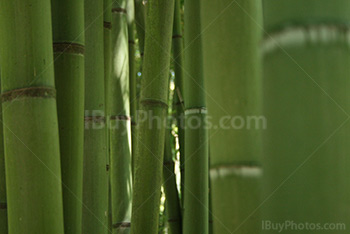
[(174, 116)]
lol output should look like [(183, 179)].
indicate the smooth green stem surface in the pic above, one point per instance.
[(31, 138), (232, 72), (196, 187), (153, 103), (306, 102), (120, 128), (95, 185), (3, 202), (68, 44), (140, 22)]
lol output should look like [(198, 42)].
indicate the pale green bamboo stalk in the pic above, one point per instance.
[(120, 129), (3, 203), (68, 44), (172, 201), (31, 139), (306, 102), (95, 186), (232, 72), (196, 188), (178, 95), (153, 101)]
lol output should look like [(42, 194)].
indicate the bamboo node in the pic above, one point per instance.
[(107, 25), (119, 10), (35, 92), (67, 47), (177, 36), (199, 110), (94, 119), (120, 117), (131, 42), (122, 225)]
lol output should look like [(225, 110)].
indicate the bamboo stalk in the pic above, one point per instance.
[(153, 100), (32, 159), (140, 22), (68, 44), (3, 203), (178, 96), (172, 201), (232, 71), (196, 189), (95, 185), (120, 130), (107, 25), (306, 70)]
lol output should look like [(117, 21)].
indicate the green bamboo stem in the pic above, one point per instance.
[(196, 189), (153, 101), (95, 181), (68, 44), (178, 95), (3, 203), (107, 25), (120, 129), (306, 70), (140, 22), (31, 139), (132, 72), (232, 71), (172, 201)]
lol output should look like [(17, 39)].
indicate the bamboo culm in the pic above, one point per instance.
[(120, 128), (68, 45), (306, 103), (95, 177), (3, 203), (196, 188), (153, 100), (31, 138)]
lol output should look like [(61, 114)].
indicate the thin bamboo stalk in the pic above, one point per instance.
[(95, 181), (172, 201), (306, 102), (153, 101), (120, 130), (31, 139), (68, 44), (140, 22), (3, 203), (107, 24), (196, 187), (232, 71), (178, 95)]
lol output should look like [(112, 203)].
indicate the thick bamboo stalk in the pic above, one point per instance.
[(172, 201), (95, 185), (140, 22), (32, 159), (153, 101), (196, 187), (178, 95), (306, 103), (68, 45), (3, 203), (232, 72), (120, 129)]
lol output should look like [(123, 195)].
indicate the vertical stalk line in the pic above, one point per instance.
[(107, 37), (95, 180), (153, 103), (196, 191), (178, 95), (140, 22), (306, 102), (3, 201), (68, 45), (132, 73), (233, 73), (120, 129), (172, 201), (31, 138)]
